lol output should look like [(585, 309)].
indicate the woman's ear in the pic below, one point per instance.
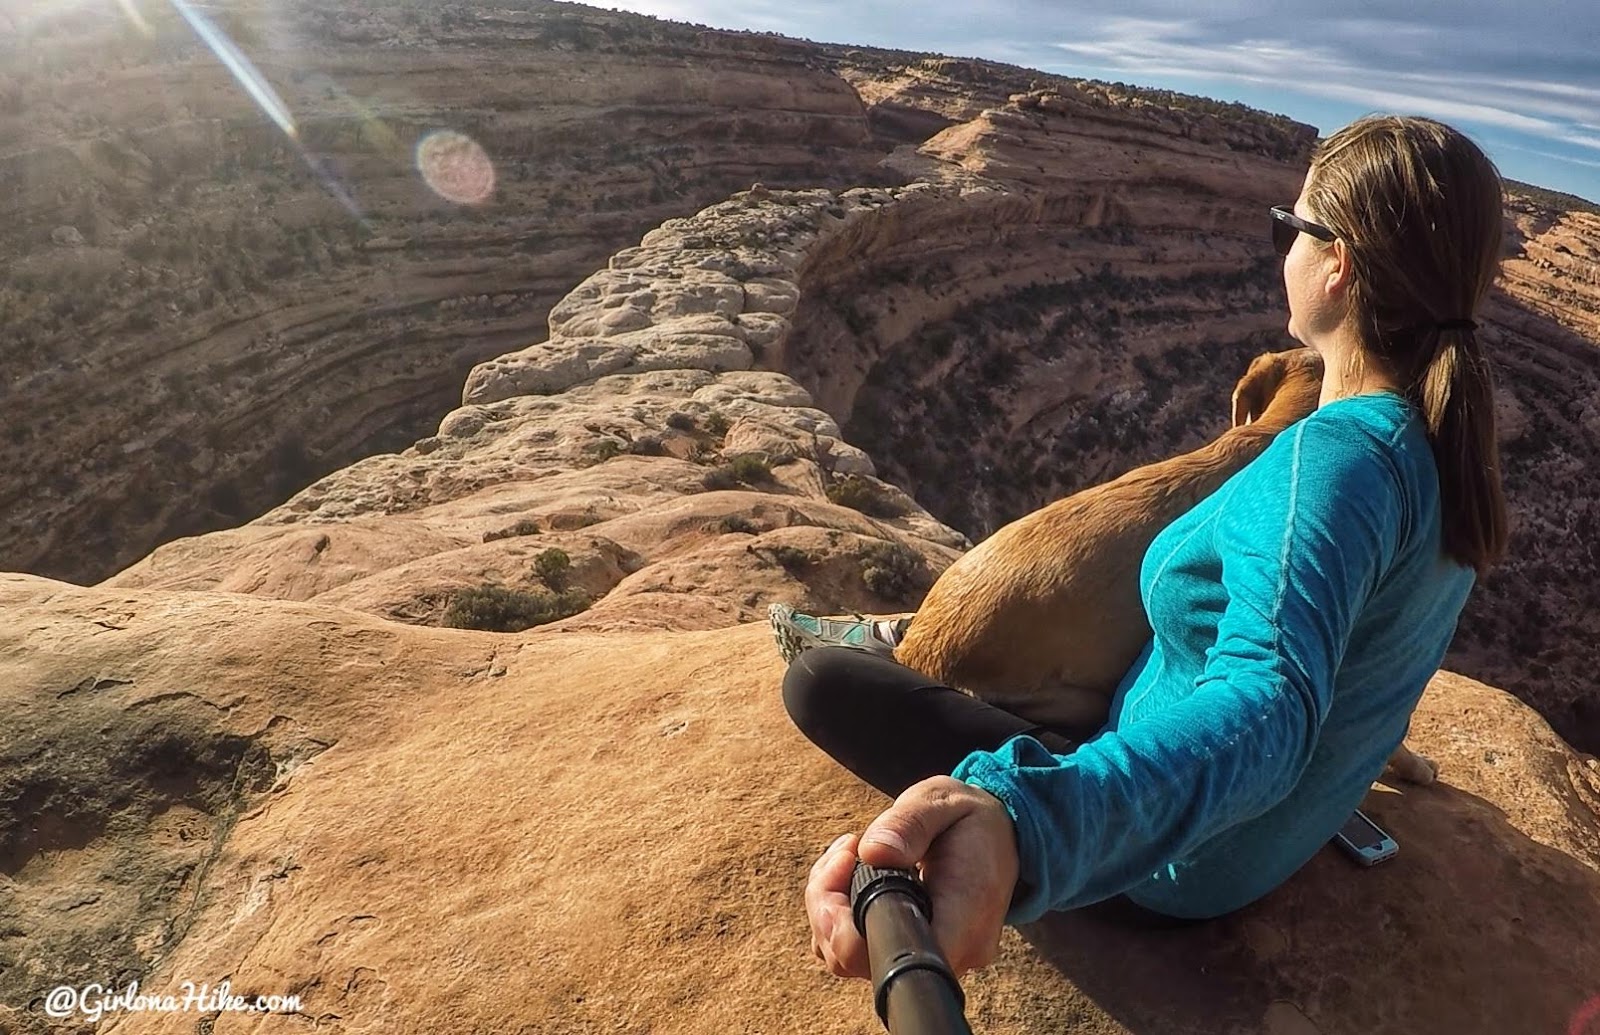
[(1339, 271)]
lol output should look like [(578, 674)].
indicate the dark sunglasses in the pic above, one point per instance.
[(1285, 225)]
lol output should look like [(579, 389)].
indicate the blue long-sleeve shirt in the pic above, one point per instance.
[(1298, 613)]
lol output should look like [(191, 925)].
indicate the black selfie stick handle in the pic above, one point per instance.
[(913, 987)]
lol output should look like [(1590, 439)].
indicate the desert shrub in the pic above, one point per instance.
[(734, 523), (717, 424), (603, 450), (791, 557), (751, 467), (860, 494), (496, 608), (647, 445), (681, 421), (553, 567), (524, 526), (720, 477), (891, 570)]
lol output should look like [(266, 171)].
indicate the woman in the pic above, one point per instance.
[(1298, 612)]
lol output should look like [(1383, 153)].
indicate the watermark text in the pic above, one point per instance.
[(95, 1001)]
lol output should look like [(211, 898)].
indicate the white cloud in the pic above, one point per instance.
[(1515, 71), (1149, 47), (1560, 158), (1582, 140), (1436, 107)]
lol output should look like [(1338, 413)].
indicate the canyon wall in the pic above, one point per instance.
[(203, 314)]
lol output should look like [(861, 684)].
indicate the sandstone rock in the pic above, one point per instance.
[(768, 295), (699, 291), (841, 458), (760, 386), (462, 423), (341, 877), (698, 323), (769, 438), (696, 351), (619, 321), (762, 330), (734, 403), (543, 369)]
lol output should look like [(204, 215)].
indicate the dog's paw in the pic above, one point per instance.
[(1414, 768)]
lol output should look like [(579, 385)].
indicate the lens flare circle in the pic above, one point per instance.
[(1582, 1020), (455, 167)]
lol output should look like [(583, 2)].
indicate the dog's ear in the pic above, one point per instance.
[(1255, 390), (1241, 409)]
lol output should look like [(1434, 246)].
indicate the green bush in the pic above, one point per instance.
[(717, 424), (603, 450), (553, 567), (735, 523), (496, 608), (860, 494), (647, 445), (720, 477), (791, 557), (524, 526), (681, 421), (751, 467), (892, 571)]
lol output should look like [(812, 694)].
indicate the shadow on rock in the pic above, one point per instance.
[(1474, 927)]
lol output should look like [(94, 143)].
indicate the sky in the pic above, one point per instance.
[(1522, 79)]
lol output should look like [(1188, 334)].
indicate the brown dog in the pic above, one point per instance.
[(1043, 618)]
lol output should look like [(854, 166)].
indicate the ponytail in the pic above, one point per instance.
[(1456, 395), (1421, 210)]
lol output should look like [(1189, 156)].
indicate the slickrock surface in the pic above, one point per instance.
[(423, 830)]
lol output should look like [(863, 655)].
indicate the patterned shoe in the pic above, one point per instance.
[(797, 633)]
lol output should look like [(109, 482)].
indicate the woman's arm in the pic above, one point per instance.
[(1304, 534)]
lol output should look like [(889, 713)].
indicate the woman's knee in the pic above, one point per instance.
[(818, 684)]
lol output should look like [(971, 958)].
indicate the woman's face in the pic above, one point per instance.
[(1306, 280)]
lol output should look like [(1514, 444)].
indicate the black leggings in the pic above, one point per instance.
[(891, 725)]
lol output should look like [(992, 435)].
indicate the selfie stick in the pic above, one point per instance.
[(913, 988)]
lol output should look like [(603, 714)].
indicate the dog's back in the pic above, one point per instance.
[(1043, 618)]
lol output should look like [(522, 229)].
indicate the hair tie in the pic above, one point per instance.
[(1457, 325)]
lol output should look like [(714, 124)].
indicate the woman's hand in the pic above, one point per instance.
[(967, 845)]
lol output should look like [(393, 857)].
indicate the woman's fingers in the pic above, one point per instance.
[(966, 843), (971, 875), (903, 833), (833, 933)]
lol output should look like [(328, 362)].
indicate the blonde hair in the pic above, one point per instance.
[(1419, 207)]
